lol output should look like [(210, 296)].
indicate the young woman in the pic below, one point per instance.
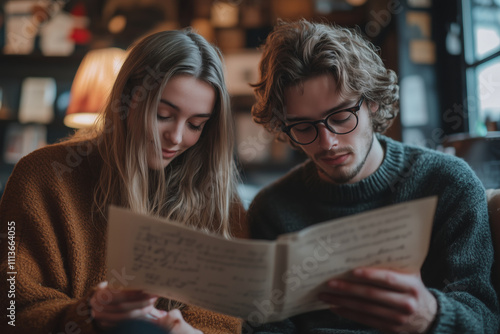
[(163, 148)]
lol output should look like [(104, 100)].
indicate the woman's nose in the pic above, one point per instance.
[(174, 134)]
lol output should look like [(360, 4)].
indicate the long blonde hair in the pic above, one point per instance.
[(197, 188)]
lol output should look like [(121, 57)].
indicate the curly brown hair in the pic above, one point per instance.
[(297, 51)]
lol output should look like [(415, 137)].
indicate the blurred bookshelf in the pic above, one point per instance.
[(237, 27)]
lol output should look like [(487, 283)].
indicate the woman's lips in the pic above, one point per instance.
[(167, 154), (335, 160)]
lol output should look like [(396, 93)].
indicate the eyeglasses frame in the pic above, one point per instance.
[(353, 110)]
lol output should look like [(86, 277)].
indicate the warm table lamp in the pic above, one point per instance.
[(92, 85)]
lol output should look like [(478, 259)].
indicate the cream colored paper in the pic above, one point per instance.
[(263, 281)]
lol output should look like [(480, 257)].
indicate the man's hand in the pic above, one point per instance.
[(390, 301)]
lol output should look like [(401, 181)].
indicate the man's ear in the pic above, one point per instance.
[(373, 106)]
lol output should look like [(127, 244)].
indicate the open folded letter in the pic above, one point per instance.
[(257, 280)]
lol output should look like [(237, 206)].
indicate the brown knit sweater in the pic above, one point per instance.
[(60, 247)]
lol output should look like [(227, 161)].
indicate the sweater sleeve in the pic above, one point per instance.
[(210, 322), (42, 297), (458, 268)]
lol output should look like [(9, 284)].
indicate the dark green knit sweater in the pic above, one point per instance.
[(457, 269)]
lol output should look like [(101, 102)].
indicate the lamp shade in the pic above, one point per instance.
[(91, 86), (356, 2)]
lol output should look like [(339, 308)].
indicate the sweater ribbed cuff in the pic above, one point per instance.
[(445, 317)]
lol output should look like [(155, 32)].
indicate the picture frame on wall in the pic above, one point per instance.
[(37, 100), (21, 140)]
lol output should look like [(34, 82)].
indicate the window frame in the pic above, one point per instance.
[(471, 64)]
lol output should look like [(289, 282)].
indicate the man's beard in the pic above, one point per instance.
[(350, 174)]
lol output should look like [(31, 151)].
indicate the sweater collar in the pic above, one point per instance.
[(377, 183)]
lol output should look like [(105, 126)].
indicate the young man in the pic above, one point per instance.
[(326, 90)]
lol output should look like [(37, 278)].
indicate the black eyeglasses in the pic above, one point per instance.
[(340, 122)]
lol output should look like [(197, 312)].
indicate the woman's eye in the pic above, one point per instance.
[(195, 127), (162, 118)]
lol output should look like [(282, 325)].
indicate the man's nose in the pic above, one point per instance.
[(327, 139)]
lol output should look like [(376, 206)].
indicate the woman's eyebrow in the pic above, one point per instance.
[(170, 104), (176, 108)]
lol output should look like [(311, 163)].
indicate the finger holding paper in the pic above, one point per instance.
[(175, 323), (384, 299), (111, 306)]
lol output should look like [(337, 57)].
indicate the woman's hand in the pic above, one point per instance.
[(383, 299), (174, 322), (111, 306)]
